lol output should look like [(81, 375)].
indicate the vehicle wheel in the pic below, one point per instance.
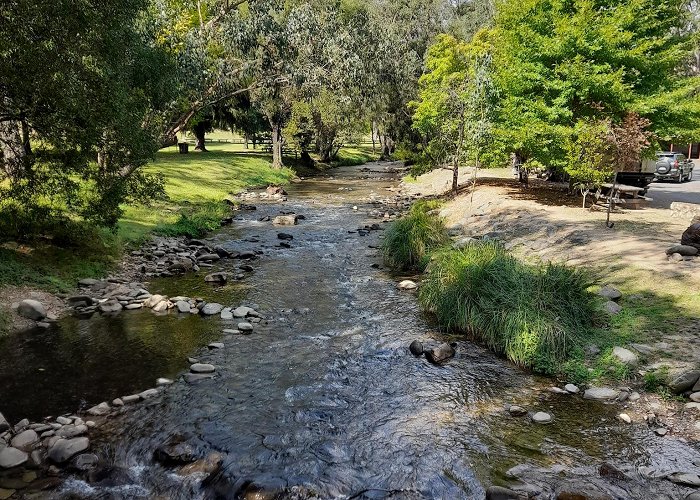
[(679, 179), (690, 176)]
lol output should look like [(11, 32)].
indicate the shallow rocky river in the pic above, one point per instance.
[(323, 399)]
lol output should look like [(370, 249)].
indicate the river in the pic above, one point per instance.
[(324, 399)]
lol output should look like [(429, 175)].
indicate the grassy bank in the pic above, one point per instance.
[(537, 316), (195, 185)]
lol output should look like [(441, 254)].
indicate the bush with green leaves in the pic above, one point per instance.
[(409, 242), (535, 315)]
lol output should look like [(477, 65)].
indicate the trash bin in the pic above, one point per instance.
[(184, 147)]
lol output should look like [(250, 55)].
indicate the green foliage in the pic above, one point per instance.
[(589, 156), (409, 241), (558, 63), (196, 223), (77, 84), (456, 102), (534, 315), (654, 380)]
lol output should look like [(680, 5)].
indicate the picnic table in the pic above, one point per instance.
[(621, 194)]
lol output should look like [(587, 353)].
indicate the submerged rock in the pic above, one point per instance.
[(207, 465), (175, 452)]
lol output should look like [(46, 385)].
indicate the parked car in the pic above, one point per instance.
[(673, 166)]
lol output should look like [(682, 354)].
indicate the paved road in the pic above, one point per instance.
[(665, 193)]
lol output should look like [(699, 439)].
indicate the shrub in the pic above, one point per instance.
[(196, 223), (535, 315), (409, 241)]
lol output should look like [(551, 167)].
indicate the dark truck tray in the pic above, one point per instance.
[(637, 179)]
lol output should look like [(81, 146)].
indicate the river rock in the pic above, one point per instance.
[(131, 398), (133, 307), (202, 368), (193, 378), (600, 393), (612, 307), (416, 348), (164, 381), (161, 306), (226, 314), (501, 493), (85, 462), (687, 479), (220, 277), (79, 301), (117, 402), (285, 236), (245, 328), (241, 312), (148, 393), (183, 306), (207, 465), (25, 440), (64, 449), (684, 250), (110, 306), (216, 345), (625, 356), (12, 457), (571, 389), (610, 293), (624, 418), (209, 257), (541, 417), (175, 452), (71, 431), (517, 411), (4, 424), (440, 353), (31, 309), (684, 382), (285, 220), (63, 420), (407, 285), (99, 410), (212, 308), (695, 397), (153, 300)]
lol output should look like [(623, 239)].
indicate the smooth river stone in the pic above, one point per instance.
[(600, 393), (12, 457), (202, 368)]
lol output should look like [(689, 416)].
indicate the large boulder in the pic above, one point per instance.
[(691, 236), (64, 449), (684, 381), (31, 309)]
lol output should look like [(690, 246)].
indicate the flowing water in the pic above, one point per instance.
[(323, 399)]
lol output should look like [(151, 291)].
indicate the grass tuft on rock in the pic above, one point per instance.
[(409, 241), (535, 315)]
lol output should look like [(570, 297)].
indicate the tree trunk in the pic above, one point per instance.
[(255, 141), (200, 131), (276, 144), (14, 148), (373, 142), (245, 138), (455, 168), (388, 147)]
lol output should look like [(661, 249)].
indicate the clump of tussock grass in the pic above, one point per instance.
[(533, 314), (409, 241)]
